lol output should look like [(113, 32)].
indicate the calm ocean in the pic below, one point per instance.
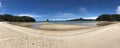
[(38, 24), (85, 23)]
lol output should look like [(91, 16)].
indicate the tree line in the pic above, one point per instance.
[(109, 17), (12, 18)]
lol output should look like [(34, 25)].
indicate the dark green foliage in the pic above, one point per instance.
[(116, 17), (108, 17), (105, 17), (12, 18)]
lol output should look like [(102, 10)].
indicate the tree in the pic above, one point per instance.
[(12, 18), (109, 17), (105, 17), (116, 17)]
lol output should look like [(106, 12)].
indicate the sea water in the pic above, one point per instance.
[(84, 23), (37, 25), (81, 23)]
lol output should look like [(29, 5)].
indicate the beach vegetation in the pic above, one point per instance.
[(12, 18), (109, 17)]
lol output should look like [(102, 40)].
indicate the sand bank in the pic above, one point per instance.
[(12, 36)]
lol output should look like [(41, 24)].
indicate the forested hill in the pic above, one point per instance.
[(109, 17), (12, 18)]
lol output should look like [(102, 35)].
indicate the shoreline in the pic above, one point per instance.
[(51, 26), (13, 36), (59, 27), (59, 32), (35, 25)]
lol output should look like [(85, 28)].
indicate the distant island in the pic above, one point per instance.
[(47, 20), (81, 19), (12, 18)]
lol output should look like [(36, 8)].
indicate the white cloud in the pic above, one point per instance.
[(67, 15), (118, 10), (90, 17), (0, 4), (1, 9), (83, 9), (61, 19), (59, 14), (31, 15), (62, 16), (57, 19)]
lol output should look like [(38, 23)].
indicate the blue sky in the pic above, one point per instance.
[(57, 10)]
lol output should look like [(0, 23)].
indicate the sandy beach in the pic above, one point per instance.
[(12, 36)]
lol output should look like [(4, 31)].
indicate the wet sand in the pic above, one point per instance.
[(12, 36), (61, 27)]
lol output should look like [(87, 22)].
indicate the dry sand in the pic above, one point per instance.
[(12, 36)]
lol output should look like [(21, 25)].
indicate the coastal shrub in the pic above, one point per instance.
[(12, 18), (109, 17)]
